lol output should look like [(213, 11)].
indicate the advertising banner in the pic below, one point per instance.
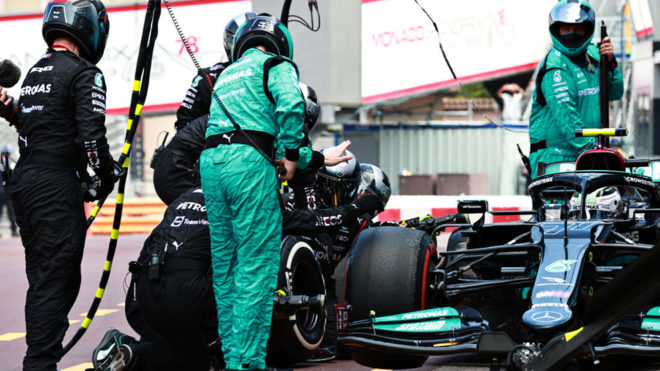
[(482, 39), (202, 21)]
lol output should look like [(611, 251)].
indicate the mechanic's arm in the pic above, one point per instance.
[(296, 221), (561, 96), (310, 159), (289, 108), (196, 103), (89, 112), (8, 107)]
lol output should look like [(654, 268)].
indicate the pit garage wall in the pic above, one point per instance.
[(443, 149)]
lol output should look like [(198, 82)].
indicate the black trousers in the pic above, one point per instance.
[(179, 310), (6, 202), (50, 213)]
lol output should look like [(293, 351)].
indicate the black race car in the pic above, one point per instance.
[(512, 291)]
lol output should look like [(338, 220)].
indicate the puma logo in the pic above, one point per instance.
[(228, 137)]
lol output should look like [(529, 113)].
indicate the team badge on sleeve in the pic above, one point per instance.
[(98, 80)]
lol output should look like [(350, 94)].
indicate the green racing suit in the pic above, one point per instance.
[(241, 194), (569, 100)]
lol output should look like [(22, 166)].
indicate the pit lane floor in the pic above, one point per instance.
[(111, 310)]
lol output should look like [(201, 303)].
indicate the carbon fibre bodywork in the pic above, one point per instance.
[(507, 290)]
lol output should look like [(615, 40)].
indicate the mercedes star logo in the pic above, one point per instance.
[(547, 316)]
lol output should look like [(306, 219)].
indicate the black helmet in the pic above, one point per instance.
[(232, 26), (572, 12), (262, 30), (338, 184), (83, 21), (312, 106), (374, 181)]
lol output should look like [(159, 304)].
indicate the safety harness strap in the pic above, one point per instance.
[(268, 64)]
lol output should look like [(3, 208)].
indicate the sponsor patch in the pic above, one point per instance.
[(98, 80), (36, 89), (553, 294), (557, 76), (41, 69), (196, 81), (194, 206)]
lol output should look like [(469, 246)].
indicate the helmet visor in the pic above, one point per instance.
[(572, 13), (337, 191)]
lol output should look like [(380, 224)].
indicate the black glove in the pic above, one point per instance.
[(90, 187), (108, 179), (367, 204), (6, 111)]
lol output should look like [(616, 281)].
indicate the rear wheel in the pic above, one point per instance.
[(294, 337), (388, 270)]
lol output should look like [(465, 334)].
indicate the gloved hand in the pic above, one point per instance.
[(108, 179), (367, 204), (90, 187), (7, 104)]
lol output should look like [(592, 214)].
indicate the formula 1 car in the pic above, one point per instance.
[(516, 291)]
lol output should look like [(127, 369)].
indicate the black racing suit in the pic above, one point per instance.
[(198, 97), (61, 123), (173, 308), (176, 168)]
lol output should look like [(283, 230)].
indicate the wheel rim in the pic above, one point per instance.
[(307, 320)]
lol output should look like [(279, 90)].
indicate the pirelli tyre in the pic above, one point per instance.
[(295, 335), (387, 273)]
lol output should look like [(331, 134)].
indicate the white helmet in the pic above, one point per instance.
[(604, 203)]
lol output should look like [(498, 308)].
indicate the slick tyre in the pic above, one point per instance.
[(295, 336), (388, 270), (387, 273)]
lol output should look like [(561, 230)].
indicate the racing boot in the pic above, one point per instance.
[(113, 352)]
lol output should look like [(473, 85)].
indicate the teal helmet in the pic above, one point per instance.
[(262, 30), (84, 21), (572, 12)]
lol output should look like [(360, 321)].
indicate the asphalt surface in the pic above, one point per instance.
[(111, 311)]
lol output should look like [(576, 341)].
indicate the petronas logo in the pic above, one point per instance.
[(560, 266), (98, 80)]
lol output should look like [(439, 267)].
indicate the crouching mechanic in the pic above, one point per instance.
[(170, 299), (61, 122)]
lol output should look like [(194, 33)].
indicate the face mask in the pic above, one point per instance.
[(571, 39)]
